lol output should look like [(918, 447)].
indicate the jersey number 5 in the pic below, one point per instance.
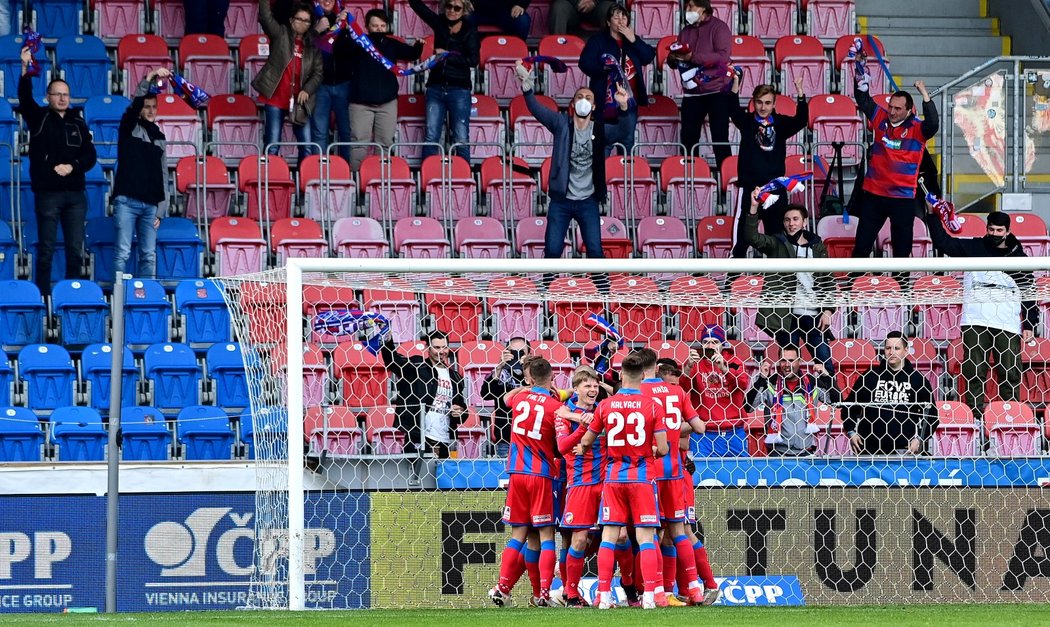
[(521, 414), (672, 413), (626, 430)]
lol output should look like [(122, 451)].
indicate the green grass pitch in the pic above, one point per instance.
[(896, 616)]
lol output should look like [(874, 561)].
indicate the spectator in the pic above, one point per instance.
[(373, 88), (509, 374), (430, 404), (788, 400), (577, 175), (206, 17), (60, 154), (995, 319), (893, 167), (5, 18), (566, 15), (805, 322), (449, 84), (715, 380), (763, 149), (140, 188), (291, 75), (890, 409), (703, 60), (632, 53), (510, 16), (333, 95)]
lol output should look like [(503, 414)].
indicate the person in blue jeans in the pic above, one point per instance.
[(510, 16), (140, 188), (333, 96), (577, 175), (450, 83)]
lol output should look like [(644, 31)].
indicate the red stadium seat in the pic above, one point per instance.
[(395, 299), (1030, 230), (420, 238), (499, 54), (1012, 430), (562, 87), (631, 187), (115, 19), (749, 53), (940, 319), (839, 237), (315, 374), (879, 80), (672, 79), (659, 124), (803, 56), (852, 358), (921, 244), (528, 238), (510, 193), (1035, 371), (481, 238), (334, 430), (569, 314), (328, 188), (532, 141), (206, 60), (671, 349), (664, 237), (834, 118), (926, 358), (877, 321), (771, 19), (206, 184), (242, 19), (830, 19), (955, 355), (409, 25), (689, 187), (616, 239), (137, 55), (747, 292), (264, 303), (268, 186), (514, 317), (360, 237), (321, 298), (831, 440), (973, 225), (639, 321), (252, 54), (655, 18), (488, 130), (729, 12), (454, 308), (238, 245), (692, 318), (478, 360), (296, 238), (449, 189), (561, 362), (181, 125), (714, 236), (363, 375), (411, 127), (728, 182), (235, 127), (957, 433), (388, 187)]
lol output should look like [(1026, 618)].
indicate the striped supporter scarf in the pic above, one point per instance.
[(808, 388)]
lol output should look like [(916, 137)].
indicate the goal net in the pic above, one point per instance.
[(869, 436)]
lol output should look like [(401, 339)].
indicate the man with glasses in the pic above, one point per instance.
[(60, 153)]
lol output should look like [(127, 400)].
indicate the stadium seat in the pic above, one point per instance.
[(671, 349), (21, 439), (655, 18), (771, 19), (420, 238), (561, 87), (631, 187), (22, 315), (226, 368), (102, 114), (78, 434), (561, 362), (147, 313), (48, 374), (204, 433), (670, 78), (175, 376), (664, 237), (238, 245), (180, 250), (207, 62), (328, 188), (692, 318), (638, 321), (875, 321), (481, 238), (851, 359), (315, 372), (514, 317), (181, 125), (360, 237), (803, 56), (831, 440), (714, 236), (235, 126), (689, 187), (470, 442), (144, 435), (879, 83), (264, 304), (411, 127), (454, 307), (336, 429), (169, 20), (8, 252), (114, 19), (96, 368), (478, 360), (659, 128), (834, 118), (529, 237), (137, 56), (729, 12), (100, 238), (395, 299), (749, 53), (84, 65), (488, 129), (828, 20), (838, 235), (7, 378), (409, 25), (292, 238), (939, 321), (1035, 371), (728, 182), (448, 188), (382, 435), (388, 187), (1031, 231), (266, 178), (921, 246), (81, 310), (509, 191), (322, 298), (96, 189), (253, 51), (201, 307), (11, 68), (1012, 430), (746, 293), (58, 18), (499, 53), (243, 19), (363, 375), (532, 141), (924, 355), (568, 315), (272, 423), (616, 239), (337, 441), (957, 433)]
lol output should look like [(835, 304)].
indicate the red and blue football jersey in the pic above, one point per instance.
[(586, 469), (630, 421), (533, 444), (675, 409)]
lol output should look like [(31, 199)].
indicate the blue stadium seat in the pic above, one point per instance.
[(100, 240), (225, 366), (103, 115), (21, 439), (48, 373), (8, 196), (147, 313), (8, 251), (204, 433), (96, 363), (81, 309), (79, 434), (11, 67), (179, 250), (175, 375), (29, 240), (144, 435), (58, 18), (84, 65), (7, 377), (273, 421), (96, 189), (8, 128), (27, 200), (21, 315), (205, 318)]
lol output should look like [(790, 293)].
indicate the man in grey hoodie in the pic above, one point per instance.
[(789, 400)]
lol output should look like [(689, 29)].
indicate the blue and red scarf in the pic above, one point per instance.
[(770, 192)]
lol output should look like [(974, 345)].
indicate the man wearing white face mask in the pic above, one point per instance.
[(577, 174)]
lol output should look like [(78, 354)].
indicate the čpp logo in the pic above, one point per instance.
[(779, 590)]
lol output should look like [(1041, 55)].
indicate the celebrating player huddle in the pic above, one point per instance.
[(623, 472)]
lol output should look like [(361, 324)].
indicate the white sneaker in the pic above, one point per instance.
[(648, 601), (605, 601), (498, 598), (711, 595), (557, 598)]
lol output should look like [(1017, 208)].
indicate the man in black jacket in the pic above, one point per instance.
[(890, 409), (140, 188), (430, 403), (60, 153), (508, 375), (995, 319)]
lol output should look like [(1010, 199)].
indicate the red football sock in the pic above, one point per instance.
[(574, 572), (650, 562), (686, 563), (546, 566), (606, 566), (703, 567), (532, 565), (668, 567), (511, 565), (625, 560)]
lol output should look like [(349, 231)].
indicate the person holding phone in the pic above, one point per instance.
[(715, 379), (508, 374)]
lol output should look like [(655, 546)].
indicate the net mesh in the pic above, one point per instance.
[(827, 464)]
